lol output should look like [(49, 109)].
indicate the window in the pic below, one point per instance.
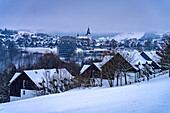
[(68, 42), (24, 92), (62, 42), (24, 84)]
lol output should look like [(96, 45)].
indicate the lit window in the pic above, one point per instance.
[(62, 42), (68, 42)]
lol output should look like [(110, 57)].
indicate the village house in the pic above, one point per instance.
[(27, 83)]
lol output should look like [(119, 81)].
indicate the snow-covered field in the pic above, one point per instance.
[(144, 97)]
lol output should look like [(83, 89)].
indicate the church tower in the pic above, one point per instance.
[(88, 32)]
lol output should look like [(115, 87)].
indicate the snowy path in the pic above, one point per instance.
[(145, 97)]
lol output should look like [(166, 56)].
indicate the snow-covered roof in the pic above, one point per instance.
[(83, 37), (38, 75), (99, 49), (14, 77), (98, 65), (138, 58), (79, 50), (105, 60), (84, 68), (129, 56), (153, 56), (102, 38), (2, 34), (40, 50)]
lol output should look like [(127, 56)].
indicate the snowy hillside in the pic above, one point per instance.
[(144, 97), (128, 35)]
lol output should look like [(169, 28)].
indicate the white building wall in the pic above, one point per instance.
[(28, 94)]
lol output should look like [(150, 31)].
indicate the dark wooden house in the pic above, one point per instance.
[(91, 71), (27, 83), (23, 81)]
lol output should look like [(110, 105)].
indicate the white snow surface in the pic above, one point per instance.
[(144, 97), (38, 75), (128, 35)]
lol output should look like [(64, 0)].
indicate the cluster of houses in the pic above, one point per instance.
[(134, 64), (137, 66)]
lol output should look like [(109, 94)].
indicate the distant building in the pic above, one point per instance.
[(84, 40), (97, 52), (67, 46)]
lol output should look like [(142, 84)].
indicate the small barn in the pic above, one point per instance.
[(94, 70), (91, 70)]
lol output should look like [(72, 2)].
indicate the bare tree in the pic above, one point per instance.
[(118, 67), (49, 61), (166, 54), (4, 80)]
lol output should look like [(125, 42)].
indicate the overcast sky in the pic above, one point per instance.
[(76, 15)]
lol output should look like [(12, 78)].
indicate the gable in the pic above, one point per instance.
[(91, 68), (119, 62), (19, 81)]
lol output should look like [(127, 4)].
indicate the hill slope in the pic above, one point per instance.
[(145, 97)]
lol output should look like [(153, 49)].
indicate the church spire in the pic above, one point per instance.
[(88, 32)]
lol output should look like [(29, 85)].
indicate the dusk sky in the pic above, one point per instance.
[(101, 16)]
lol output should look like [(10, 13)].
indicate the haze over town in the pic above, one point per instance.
[(74, 16)]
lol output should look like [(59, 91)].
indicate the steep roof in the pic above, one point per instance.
[(105, 60), (14, 77), (98, 65), (88, 31), (126, 60), (84, 68), (152, 55), (38, 75), (137, 59)]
